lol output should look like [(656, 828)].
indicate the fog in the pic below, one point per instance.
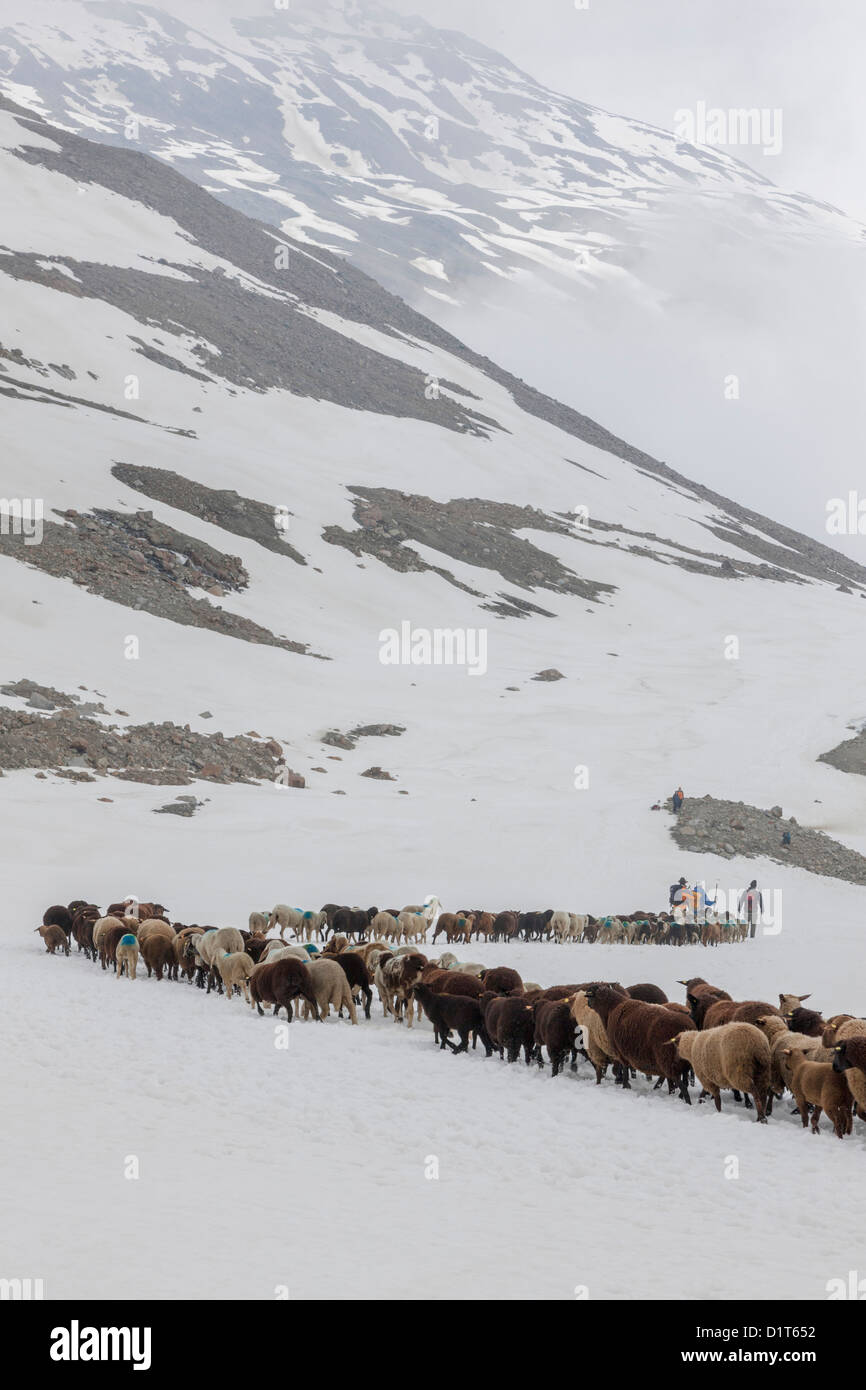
[(788, 321), (710, 297)]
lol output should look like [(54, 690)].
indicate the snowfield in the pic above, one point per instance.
[(308, 1167), (363, 1161)]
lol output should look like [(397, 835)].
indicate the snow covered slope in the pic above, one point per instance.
[(626, 272), (382, 134), (149, 326)]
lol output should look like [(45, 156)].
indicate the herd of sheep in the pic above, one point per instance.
[(412, 924), (755, 1049)]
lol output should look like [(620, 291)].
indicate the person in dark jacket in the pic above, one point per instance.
[(677, 800), (751, 901), (674, 890)]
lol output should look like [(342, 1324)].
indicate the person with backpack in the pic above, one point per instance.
[(752, 902), (684, 906), (674, 890), (677, 800)]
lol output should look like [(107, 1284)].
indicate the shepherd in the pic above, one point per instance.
[(751, 900)]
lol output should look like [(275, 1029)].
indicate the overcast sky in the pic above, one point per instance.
[(650, 58)]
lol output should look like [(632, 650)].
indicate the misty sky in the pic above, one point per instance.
[(789, 321), (649, 58)]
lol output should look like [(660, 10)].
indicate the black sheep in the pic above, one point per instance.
[(555, 1029), (58, 916), (357, 975), (510, 1025), (453, 1011)]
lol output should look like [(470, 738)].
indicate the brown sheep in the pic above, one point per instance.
[(642, 1036), (736, 1011), (183, 952), (483, 925), (83, 920), (505, 926), (55, 938), (849, 1058), (842, 1026), (781, 1040), (700, 996), (455, 927), (819, 1084), (456, 982), (280, 982), (108, 942), (650, 994), (157, 952), (502, 980), (154, 926), (789, 1002)]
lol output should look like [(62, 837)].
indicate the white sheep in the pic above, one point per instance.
[(385, 926), (312, 924), (429, 909), (731, 1057), (595, 1039), (560, 925), (127, 955), (330, 986), (101, 926), (259, 923), (277, 948), (235, 968), (578, 923), (611, 930), (412, 926), (283, 916)]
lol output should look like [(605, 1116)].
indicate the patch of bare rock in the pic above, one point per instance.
[(708, 825), (165, 754)]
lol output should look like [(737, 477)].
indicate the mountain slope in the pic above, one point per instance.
[(628, 274), (252, 468), (415, 149)]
